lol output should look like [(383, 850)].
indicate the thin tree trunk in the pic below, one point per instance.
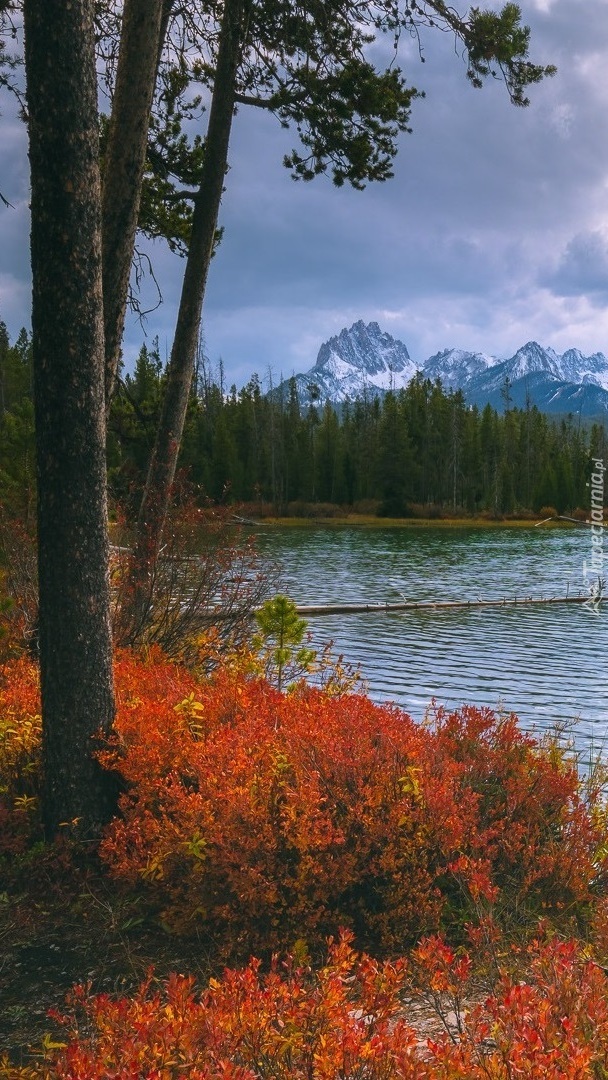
[(144, 26), (161, 473), (68, 358)]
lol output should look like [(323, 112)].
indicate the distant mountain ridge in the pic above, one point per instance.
[(365, 360)]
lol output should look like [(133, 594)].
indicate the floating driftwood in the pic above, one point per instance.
[(564, 517), (435, 605), (236, 519)]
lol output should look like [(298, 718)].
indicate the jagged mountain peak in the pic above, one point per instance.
[(364, 345), (454, 366), (575, 356), (359, 358), (576, 367), (533, 357)]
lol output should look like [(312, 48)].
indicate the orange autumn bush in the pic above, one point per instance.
[(20, 765), (263, 818), (350, 1020), (537, 845), (266, 818), (289, 1024), (551, 1023)]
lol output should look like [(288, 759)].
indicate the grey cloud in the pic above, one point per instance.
[(583, 268), (15, 298), (15, 291)]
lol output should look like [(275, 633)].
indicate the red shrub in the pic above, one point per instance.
[(278, 816), (344, 1022), (268, 817), (287, 1025), (20, 772), (552, 1024), (534, 844)]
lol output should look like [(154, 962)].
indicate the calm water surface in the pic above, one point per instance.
[(547, 664)]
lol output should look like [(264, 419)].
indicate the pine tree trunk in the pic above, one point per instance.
[(161, 472), (68, 357), (144, 26)]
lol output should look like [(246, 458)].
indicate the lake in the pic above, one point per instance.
[(545, 663)]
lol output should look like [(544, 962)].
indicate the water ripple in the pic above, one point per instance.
[(547, 664)]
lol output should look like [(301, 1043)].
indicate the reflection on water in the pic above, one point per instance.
[(546, 663)]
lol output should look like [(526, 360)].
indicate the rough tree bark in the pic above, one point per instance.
[(68, 354), (161, 473), (144, 26)]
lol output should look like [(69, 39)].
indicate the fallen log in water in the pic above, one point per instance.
[(436, 605), (564, 517)]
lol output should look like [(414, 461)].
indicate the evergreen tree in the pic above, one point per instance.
[(16, 374), (329, 473), (18, 463), (393, 460)]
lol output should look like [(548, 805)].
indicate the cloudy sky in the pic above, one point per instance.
[(494, 230)]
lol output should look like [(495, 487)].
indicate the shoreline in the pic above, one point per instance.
[(368, 521)]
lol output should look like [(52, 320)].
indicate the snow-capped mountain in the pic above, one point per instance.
[(571, 382), (578, 368), (538, 388), (365, 360), (455, 366), (361, 360), (532, 357)]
